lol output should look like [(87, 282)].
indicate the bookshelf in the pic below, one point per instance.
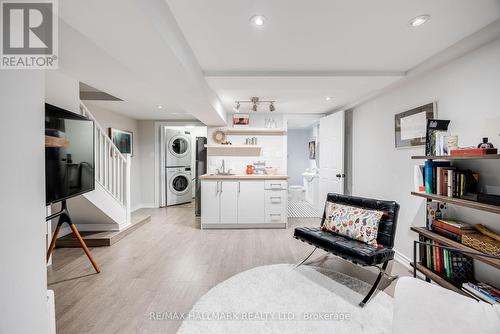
[(430, 235), (456, 157)]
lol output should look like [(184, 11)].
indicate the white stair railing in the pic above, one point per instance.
[(112, 168)]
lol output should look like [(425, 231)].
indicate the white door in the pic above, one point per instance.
[(210, 202), (228, 194), (331, 155), (251, 202)]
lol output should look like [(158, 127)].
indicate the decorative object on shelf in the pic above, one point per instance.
[(473, 151), (435, 133), (312, 150), (485, 144), (255, 101), (270, 123), (226, 142), (241, 120), (410, 126), (450, 143), (482, 243), (123, 140), (435, 210), (219, 136)]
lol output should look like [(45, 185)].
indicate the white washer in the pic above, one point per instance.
[(178, 148), (178, 185)]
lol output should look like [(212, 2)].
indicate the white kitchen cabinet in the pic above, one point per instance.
[(243, 203), (210, 202), (251, 202), (228, 194)]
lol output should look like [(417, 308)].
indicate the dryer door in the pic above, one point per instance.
[(180, 183), (178, 146)]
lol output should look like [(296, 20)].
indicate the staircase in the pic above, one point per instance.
[(107, 208)]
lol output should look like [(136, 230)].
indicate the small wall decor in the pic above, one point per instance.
[(312, 150), (241, 120), (124, 140), (410, 126)]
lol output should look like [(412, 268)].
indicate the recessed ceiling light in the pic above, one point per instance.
[(419, 20), (328, 98), (258, 21), (159, 106)]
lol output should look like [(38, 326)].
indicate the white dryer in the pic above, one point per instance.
[(178, 185), (178, 148)]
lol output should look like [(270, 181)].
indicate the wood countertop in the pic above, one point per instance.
[(243, 177)]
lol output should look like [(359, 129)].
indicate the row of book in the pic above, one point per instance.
[(440, 178), (455, 266), (482, 291)]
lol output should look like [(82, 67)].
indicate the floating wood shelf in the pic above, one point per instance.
[(438, 279), (456, 157), (460, 202), (453, 244), (255, 131), (234, 150)]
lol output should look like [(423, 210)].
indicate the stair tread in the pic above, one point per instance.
[(104, 238)]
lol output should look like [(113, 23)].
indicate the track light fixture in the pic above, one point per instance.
[(255, 101), (236, 108)]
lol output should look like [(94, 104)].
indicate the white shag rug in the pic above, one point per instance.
[(284, 299)]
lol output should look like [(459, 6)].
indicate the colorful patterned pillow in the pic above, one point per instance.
[(352, 222)]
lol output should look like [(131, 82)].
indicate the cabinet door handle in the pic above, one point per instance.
[(276, 199), (239, 186), (275, 216), (221, 187)]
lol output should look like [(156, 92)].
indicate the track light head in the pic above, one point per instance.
[(237, 107), (271, 107), (254, 107)]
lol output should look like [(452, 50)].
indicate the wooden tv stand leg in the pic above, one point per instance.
[(64, 218)]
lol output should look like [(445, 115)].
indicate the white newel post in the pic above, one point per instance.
[(127, 188)]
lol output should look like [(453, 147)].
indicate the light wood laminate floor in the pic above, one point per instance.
[(167, 265)]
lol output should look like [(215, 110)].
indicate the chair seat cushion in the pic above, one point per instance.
[(349, 249)]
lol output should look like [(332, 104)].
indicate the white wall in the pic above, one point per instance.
[(298, 154), (23, 279), (110, 119), (467, 92), (273, 147), (147, 161)]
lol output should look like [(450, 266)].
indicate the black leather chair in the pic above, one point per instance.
[(355, 251)]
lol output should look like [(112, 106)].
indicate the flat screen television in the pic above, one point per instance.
[(69, 154)]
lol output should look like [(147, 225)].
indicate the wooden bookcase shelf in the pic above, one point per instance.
[(460, 202), (428, 234), (451, 243), (456, 157), (233, 150), (255, 131)]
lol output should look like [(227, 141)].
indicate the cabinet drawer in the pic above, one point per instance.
[(275, 185), (276, 198), (278, 216)]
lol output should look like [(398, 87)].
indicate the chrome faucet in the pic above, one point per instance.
[(223, 172)]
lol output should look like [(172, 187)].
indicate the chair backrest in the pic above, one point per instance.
[(387, 225)]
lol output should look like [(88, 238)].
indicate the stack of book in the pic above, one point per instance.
[(451, 228), (441, 178), (455, 266), (482, 291)]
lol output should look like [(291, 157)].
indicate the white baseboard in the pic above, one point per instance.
[(406, 262), (144, 206)]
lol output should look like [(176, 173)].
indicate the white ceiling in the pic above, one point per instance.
[(196, 57), (312, 49)]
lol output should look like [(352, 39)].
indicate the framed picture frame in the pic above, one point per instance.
[(312, 150), (123, 140), (241, 120), (410, 126)]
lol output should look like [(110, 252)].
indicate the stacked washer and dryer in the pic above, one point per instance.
[(178, 167)]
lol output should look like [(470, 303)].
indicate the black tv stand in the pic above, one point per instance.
[(65, 218)]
